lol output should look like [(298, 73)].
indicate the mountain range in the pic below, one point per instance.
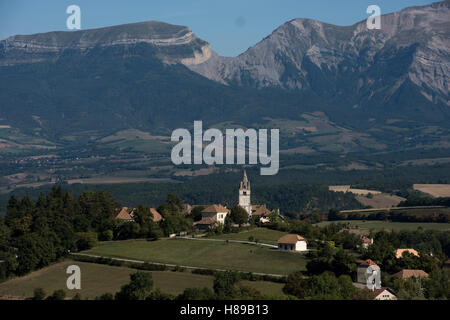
[(328, 88)]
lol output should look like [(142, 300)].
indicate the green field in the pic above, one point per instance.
[(263, 235), (206, 254), (97, 279), (387, 225), (265, 287)]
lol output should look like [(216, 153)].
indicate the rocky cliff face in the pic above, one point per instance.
[(411, 47), (175, 43)]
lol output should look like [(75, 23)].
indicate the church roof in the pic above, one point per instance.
[(215, 208), (290, 239)]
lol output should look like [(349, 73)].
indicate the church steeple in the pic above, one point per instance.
[(244, 194), (245, 184)]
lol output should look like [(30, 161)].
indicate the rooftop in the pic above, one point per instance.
[(290, 239)]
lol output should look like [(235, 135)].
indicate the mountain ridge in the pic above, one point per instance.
[(316, 81), (278, 59)]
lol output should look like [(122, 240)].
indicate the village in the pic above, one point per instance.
[(368, 273)]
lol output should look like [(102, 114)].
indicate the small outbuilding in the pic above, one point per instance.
[(292, 242), (384, 293)]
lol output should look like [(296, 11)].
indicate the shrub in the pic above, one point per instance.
[(39, 294)]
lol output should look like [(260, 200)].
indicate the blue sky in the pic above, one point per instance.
[(230, 26)]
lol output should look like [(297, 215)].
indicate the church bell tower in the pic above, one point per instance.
[(244, 194)]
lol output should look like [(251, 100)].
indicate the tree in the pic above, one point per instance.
[(346, 287), (409, 289), (296, 285), (86, 240), (437, 286), (239, 215), (363, 294), (196, 294), (139, 288), (76, 297), (196, 213), (107, 235), (333, 215), (224, 284), (343, 263), (105, 297), (148, 228), (39, 294), (57, 295)]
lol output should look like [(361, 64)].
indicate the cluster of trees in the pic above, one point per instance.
[(35, 234), (329, 258), (226, 286), (433, 247), (40, 294), (325, 286), (435, 287), (411, 215)]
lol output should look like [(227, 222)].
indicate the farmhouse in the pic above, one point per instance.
[(216, 212), (408, 273), (384, 293), (399, 252), (292, 242), (262, 212), (124, 214), (362, 273), (366, 242), (127, 214), (156, 215), (205, 224)]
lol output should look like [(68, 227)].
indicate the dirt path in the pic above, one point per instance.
[(172, 265)]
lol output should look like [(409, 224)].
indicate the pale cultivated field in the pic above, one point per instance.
[(436, 190), (382, 200), (199, 172), (114, 180), (347, 188)]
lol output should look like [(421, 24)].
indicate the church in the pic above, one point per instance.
[(215, 214), (244, 201), (244, 194)]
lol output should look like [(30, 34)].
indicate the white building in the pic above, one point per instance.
[(292, 242), (362, 273), (366, 242), (384, 293), (244, 194)]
